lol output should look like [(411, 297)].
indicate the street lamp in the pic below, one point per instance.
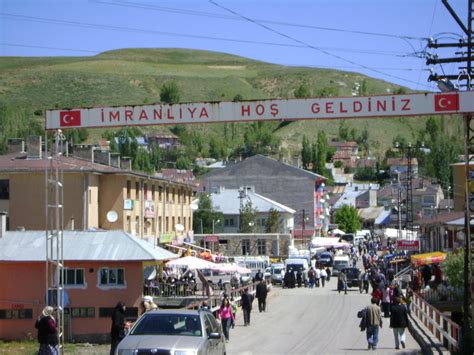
[(213, 224)]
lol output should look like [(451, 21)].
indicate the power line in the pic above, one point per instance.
[(132, 4), (313, 47), (174, 34), (44, 47)]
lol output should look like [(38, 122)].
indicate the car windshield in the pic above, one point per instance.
[(168, 324), (277, 271), (339, 263)]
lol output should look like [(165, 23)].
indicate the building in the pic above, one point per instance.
[(296, 188), (101, 269), (230, 201), (146, 206), (443, 232), (459, 186), (400, 166), (163, 140), (349, 146)]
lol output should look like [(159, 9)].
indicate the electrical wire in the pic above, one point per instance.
[(132, 4), (313, 47), (44, 47), (174, 34)]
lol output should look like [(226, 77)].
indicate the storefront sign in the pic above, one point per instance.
[(149, 209), (211, 239), (409, 245), (128, 205)]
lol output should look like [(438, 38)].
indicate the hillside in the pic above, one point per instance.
[(29, 85)]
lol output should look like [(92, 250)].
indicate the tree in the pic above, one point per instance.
[(259, 139), (248, 214), (347, 219), (454, 269), (305, 153), (322, 149), (302, 92), (363, 140), (343, 131), (237, 98), (205, 215), (216, 148), (141, 161), (314, 157), (155, 158), (443, 153), (169, 93), (183, 163), (433, 128), (273, 222)]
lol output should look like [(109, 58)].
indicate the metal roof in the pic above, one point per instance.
[(228, 202), (114, 245)]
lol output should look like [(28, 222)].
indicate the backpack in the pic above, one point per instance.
[(363, 322)]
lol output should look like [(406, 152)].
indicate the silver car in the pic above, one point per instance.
[(174, 332)]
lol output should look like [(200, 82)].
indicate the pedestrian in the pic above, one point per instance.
[(342, 282), (246, 303), (374, 322), (261, 293), (398, 322), (299, 277), (386, 299), (317, 276), (117, 332), (292, 278), (324, 275), (47, 332), (258, 276), (328, 271), (148, 304), (226, 315), (286, 279), (311, 277)]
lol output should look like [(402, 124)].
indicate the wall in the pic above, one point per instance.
[(30, 293), (459, 185)]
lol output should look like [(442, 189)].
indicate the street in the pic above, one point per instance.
[(311, 321)]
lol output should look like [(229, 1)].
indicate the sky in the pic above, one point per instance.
[(385, 39)]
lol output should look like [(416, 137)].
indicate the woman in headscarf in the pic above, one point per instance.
[(117, 332), (47, 332)]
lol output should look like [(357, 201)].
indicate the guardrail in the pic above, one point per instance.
[(441, 327)]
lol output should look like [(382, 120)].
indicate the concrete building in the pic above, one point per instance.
[(146, 206), (459, 186), (229, 202), (101, 269), (296, 188)]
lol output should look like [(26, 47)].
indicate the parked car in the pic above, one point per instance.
[(278, 273), (352, 274), (340, 262), (325, 259), (174, 332)]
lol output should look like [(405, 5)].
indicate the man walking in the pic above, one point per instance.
[(398, 322), (374, 321), (261, 293), (323, 275), (246, 303)]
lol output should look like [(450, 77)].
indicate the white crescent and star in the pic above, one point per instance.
[(67, 119), (442, 104)]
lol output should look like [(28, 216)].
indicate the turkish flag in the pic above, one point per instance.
[(446, 102), (70, 118)]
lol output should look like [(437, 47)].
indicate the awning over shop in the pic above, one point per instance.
[(428, 258)]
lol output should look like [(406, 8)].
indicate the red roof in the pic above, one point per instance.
[(349, 144), (442, 218), (342, 154), (401, 162)]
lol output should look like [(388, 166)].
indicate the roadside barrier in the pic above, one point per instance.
[(441, 327)]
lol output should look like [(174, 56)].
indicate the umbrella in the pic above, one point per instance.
[(192, 262)]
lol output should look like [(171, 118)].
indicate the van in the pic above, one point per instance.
[(298, 264), (340, 262), (278, 273), (349, 237)]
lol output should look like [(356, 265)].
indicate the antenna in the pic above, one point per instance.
[(112, 216)]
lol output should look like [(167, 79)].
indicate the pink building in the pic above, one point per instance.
[(101, 269)]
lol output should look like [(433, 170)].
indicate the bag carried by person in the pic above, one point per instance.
[(363, 321)]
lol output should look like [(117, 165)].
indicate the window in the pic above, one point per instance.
[(137, 225), (145, 191), (112, 277), (261, 247), (4, 189), (229, 222), (129, 188), (73, 277), (245, 246), (137, 190), (153, 192), (129, 224), (160, 193), (83, 312), (16, 313), (429, 199)]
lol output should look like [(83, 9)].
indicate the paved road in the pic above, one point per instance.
[(311, 321)]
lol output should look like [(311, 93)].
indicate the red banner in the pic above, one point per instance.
[(211, 239)]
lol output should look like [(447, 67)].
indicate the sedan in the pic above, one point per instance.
[(174, 332)]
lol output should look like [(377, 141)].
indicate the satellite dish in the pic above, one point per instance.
[(112, 216), (179, 227)]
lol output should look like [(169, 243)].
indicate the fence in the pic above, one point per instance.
[(441, 327)]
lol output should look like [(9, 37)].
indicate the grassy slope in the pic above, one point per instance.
[(134, 76)]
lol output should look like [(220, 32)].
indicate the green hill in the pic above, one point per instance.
[(29, 85)]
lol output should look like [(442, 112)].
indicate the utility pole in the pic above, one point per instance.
[(303, 225), (409, 195), (445, 85)]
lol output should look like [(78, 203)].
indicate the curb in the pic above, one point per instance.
[(421, 334)]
